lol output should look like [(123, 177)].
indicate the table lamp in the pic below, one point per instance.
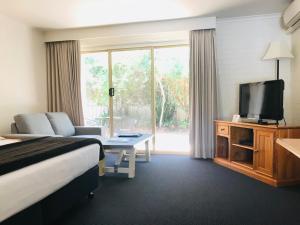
[(278, 50)]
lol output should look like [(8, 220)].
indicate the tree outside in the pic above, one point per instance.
[(95, 84), (131, 74), (172, 100)]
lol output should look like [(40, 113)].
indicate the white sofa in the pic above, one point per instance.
[(50, 124)]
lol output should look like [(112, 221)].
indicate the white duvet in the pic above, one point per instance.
[(5, 141)]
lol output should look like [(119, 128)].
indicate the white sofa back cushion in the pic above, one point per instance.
[(61, 123), (36, 123)]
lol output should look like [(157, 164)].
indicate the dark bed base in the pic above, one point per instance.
[(49, 209)]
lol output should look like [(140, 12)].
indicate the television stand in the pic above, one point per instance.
[(251, 149)]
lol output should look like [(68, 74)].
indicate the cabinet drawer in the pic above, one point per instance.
[(222, 129)]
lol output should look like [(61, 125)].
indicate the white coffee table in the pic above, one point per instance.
[(126, 146)]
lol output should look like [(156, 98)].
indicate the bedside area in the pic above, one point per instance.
[(251, 149)]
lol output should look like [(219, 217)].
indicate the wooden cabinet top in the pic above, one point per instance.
[(253, 125)]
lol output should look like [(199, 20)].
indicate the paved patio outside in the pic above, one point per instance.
[(172, 142)]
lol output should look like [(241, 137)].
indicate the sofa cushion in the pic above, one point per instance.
[(61, 123), (35, 123)]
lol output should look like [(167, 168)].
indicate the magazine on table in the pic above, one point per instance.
[(130, 135)]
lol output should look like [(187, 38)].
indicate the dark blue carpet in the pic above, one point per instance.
[(175, 190)]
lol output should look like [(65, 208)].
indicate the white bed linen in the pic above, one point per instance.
[(24, 187), (4, 141)]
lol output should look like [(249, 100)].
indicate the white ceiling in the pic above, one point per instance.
[(60, 14)]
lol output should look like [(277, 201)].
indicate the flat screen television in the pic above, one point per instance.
[(262, 100)]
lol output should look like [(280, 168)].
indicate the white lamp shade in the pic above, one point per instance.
[(278, 50)]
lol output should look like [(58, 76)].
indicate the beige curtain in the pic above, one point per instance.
[(63, 79), (203, 93)]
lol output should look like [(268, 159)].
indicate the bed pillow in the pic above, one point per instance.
[(36, 123), (61, 123)]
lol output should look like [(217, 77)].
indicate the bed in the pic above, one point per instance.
[(43, 177)]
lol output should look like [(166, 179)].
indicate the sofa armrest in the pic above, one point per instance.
[(83, 130), (27, 136)]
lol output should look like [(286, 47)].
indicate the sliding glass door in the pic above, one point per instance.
[(139, 90), (131, 80)]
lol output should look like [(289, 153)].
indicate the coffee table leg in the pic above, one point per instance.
[(131, 172), (120, 157), (148, 155)]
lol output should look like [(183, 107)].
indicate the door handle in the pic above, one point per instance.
[(111, 92)]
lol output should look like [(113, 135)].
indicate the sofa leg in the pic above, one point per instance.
[(91, 195)]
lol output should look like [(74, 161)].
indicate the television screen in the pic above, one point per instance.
[(262, 100)]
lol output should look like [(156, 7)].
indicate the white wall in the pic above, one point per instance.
[(22, 71), (134, 41), (295, 77), (123, 30), (241, 44)]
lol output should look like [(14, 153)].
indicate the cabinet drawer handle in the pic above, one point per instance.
[(222, 129)]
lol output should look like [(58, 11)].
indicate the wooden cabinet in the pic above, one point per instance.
[(251, 149), (264, 152)]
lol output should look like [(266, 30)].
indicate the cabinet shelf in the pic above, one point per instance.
[(222, 150), (244, 146), (249, 165)]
